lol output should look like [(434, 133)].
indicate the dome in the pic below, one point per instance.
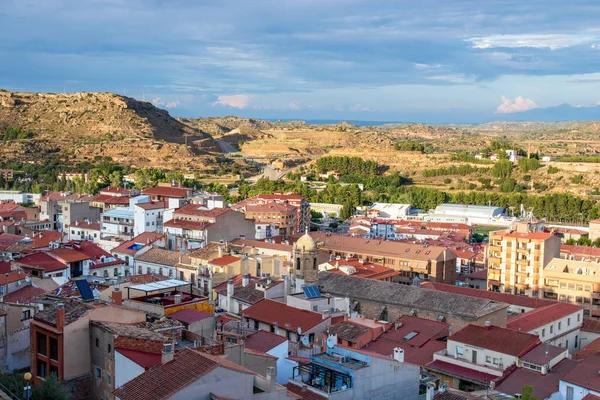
[(306, 243)]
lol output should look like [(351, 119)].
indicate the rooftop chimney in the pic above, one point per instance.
[(399, 354), (220, 254), (488, 325), (117, 297), (271, 378), (245, 280), (60, 316), (177, 298)]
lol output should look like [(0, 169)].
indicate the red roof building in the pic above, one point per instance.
[(536, 319), (274, 313), (40, 264), (167, 192), (496, 339), (586, 375)]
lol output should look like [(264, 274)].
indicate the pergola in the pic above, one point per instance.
[(169, 284)]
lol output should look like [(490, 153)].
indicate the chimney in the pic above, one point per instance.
[(167, 353), (60, 316), (245, 280), (304, 387), (220, 252), (117, 297), (268, 279), (399, 354), (271, 378), (430, 391), (488, 325), (210, 287), (177, 298), (286, 288), (230, 290)]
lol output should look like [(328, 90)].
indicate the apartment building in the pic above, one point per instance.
[(283, 216), (516, 259), (301, 205), (575, 282)]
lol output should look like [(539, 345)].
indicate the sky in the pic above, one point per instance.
[(374, 60)]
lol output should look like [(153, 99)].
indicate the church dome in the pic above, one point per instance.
[(306, 243)]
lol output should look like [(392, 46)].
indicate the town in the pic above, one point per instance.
[(114, 294)]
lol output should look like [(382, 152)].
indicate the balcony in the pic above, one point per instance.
[(522, 273), (523, 261), (522, 250), (522, 286), (120, 221), (465, 362), (495, 248)]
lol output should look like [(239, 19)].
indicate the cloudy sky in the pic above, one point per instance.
[(374, 60)]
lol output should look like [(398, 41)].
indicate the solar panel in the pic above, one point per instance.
[(84, 289), (311, 292)]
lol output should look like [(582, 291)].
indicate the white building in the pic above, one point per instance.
[(582, 381), (19, 197), (558, 324), (264, 230), (84, 230), (468, 214), (389, 210), (117, 222), (148, 216), (327, 209)]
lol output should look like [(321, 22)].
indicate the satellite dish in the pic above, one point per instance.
[(299, 331), (331, 342), (305, 341)]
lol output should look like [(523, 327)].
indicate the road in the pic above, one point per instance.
[(226, 147)]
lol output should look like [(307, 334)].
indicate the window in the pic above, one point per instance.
[(116, 272), (41, 344), (551, 329), (106, 273), (256, 325), (569, 321), (140, 270), (488, 359), (559, 325), (98, 372), (570, 392), (147, 223), (578, 317), (160, 270), (543, 332), (41, 369), (497, 361), (108, 379), (459, 351), (54, 349), (25, 315), (109, 349), (315, 308)]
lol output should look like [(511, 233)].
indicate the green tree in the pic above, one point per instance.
[(502, 169), (527, 393), (571, 242), (116, 178), (49, 389), (175, 176), (584, 241)]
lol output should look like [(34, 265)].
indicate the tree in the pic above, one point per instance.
[(49, 389), (571, 242), (527, 393), (116, 178), (502, 169), (584, 241)]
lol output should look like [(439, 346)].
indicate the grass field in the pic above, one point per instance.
[(485, 229)]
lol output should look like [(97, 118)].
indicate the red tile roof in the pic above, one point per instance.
[(82, 224), (543, 385), (164, 380), (42, 260), (55, 196), (591, 325), (303, 395), (586, 374), (185, 224), (24, 295), (143, 238), (199, 211), (456, 370), (591, 397), (5, 267), (13, 276), (525, 235), (533, 319), (168, 191), (116, 190), (8, 239), (497, 339), (68, 255), (225, 260), (237, 282), (264, 341), (580, 250), (152, 205), (110, 199), (477, 275), (141, 358), (189, 316), (364, 269), (286, 317), (591, 348), (44, 238), (260, 244), (522, 301)]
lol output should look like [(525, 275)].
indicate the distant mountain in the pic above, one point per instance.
[(563, 112)]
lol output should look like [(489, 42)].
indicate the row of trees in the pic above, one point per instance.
[(347, 165), (413, 145), (463, 169)]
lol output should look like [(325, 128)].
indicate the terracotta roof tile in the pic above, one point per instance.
[(189, 316), (141, 358), (225, 260), (286, 317), (162, 381), (164, 257), (348, 331), (143, 239), (303, 395), (585, 374), (24, 295), (185, 224), (591, 325), (176, 192), (199, 211), (498, 339), (264, 341), (527, 322), (74, 310), (68, 255), (41, 260)]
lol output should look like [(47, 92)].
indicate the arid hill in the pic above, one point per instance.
[(84, 125)]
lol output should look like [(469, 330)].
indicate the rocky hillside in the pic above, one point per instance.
[(84, 125), (225, 125)]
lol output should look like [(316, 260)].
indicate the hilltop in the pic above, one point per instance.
[(82, 126)]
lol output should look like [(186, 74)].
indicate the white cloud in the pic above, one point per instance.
[(540, 41), (519, 104), (360, 108), (240, 101), (158, 102), (294, 105), (427, 67), (460, 79)]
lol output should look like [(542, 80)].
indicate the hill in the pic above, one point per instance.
[(82, 126)]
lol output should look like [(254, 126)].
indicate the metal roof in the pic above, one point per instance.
[(160, 285)]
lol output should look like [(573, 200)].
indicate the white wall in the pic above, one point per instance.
[(284, 368), (578, 391), (558, 336), (155, 268), (125, 369)]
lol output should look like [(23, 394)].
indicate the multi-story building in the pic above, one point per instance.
[(575, 282), (516, 259), (414, 261), (594, 229), (167, 191), (64, 208), (194, 226), (283, 216), (83, 230), (299, 202), (148, 217)]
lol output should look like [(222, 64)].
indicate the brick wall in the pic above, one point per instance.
[(148, 346)]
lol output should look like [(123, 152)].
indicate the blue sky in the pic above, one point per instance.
[(430, 61)]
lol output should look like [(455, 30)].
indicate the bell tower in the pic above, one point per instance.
[(306, 265)]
